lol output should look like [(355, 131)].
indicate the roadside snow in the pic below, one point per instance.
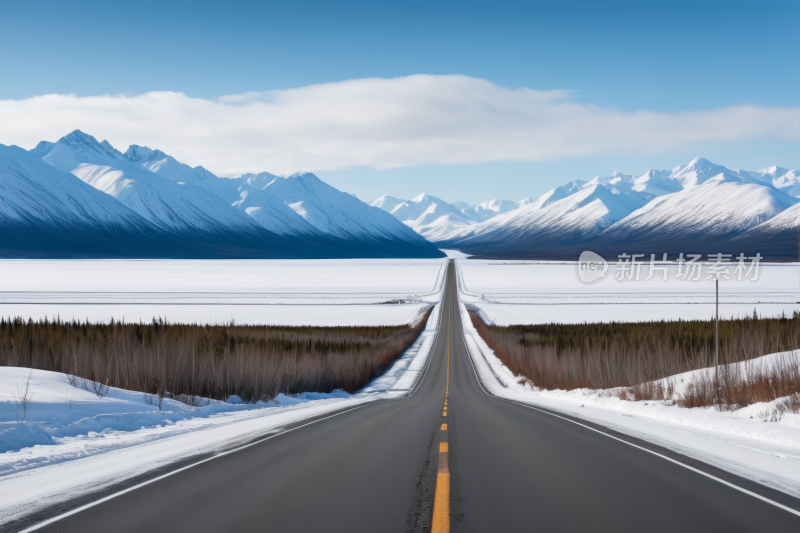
[(737, 441), (455, 254), (59, 452)]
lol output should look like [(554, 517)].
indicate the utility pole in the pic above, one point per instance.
[(716, 350)]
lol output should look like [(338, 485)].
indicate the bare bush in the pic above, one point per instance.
[(156, 400), (635, 357), (789, 405), (22, 392), (736, 386), (189, 362)]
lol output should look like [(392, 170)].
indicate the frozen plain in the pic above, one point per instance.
[(367, 292), (540, 292)]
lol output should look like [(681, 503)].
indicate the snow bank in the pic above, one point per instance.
[(73, 442), (737, 441)]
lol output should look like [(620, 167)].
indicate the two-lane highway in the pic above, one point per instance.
[(385, 466)]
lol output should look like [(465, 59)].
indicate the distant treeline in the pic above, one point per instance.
[(607, 355), (181, 360)]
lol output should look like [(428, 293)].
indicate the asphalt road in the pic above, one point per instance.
[(374, 468)]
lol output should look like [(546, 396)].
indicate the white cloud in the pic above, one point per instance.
[(382, 123)]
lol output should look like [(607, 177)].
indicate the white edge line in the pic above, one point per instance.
[(222, 454), (693, 469), (421, 378), (168, 474), (418, 384)]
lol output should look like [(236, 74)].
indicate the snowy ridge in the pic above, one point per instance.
[(184, 211), (45, 209), (433, 218), (172, 205), (159, 163), (296, 205), (696, 205), (722, 206), (302, 203), (430, 216), (575, 218), (495, 207)]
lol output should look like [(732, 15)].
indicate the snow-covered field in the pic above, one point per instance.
[(535, 292), (73, 442), (741, 441), (285, 292)]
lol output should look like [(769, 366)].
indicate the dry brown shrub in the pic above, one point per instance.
[(189, 362), (637, 356)]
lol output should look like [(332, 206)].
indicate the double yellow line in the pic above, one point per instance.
[(441, 502)]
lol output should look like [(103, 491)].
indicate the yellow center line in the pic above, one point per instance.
[(441, 501)]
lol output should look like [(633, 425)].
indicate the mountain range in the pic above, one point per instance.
[(433, 218), (79, 197), (697, 207)]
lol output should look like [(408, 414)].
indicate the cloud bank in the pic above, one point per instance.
[(383, 123)]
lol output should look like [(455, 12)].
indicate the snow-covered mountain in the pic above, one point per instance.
[(304, 205), (777, 237), (712, 210), (554, 221), (696, 206), (297, 206), (427, 215), (387, 203), (787, 181), (175, 206), (433, 218), (45, 212), (492, 208), (167, 166), (256, 215), (81, 197)]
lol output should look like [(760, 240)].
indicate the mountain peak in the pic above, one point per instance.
[(697, 171), (421, 198), (83, 142), (78, 137), (386, 202), (136, 153), (43, 148), (698, 163), (303, 176)]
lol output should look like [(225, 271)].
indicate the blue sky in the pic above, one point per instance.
[(664, 57)]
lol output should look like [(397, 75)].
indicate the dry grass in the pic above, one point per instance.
[(737, 386), (635, 357), (190, 361)]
